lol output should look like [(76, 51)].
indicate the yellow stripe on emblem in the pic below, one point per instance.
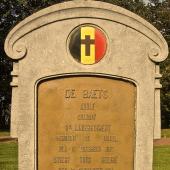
[(87, 45)]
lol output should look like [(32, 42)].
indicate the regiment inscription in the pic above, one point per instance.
[(86, 123)]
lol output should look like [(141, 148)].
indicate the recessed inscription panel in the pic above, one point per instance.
[(86, 123)]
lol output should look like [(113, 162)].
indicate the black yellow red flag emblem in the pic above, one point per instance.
[(88, 44)]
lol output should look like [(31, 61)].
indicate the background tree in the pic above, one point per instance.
[(160, 18), (13, 11)]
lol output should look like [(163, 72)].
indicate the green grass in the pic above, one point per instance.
[(4, 133), (8, 156), (162, 154), (161, 158), (165, 133)]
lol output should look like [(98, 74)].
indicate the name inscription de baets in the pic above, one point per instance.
[(86, 123)]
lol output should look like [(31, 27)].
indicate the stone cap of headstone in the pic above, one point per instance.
[(77, 9)]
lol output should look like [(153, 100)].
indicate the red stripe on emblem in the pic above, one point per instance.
[(100, 45)]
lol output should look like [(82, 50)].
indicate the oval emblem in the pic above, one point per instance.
[(88, 44)]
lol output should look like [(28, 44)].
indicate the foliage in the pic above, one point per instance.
[(136, 6), (161, 20), (13, 11)]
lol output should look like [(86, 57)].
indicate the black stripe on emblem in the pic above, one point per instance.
[(75, 45)]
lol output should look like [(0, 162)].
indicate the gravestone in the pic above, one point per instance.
[(85, 88)]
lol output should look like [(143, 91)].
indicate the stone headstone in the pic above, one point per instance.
[(86, 88)]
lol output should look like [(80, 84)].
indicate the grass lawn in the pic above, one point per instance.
[(161, 158), (8, 156)]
